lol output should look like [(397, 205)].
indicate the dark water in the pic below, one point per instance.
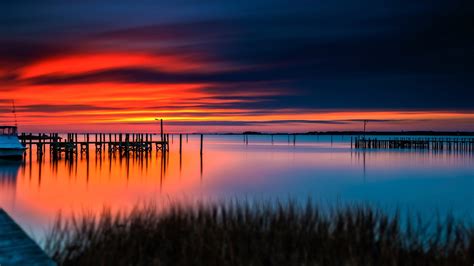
[(324, 168)]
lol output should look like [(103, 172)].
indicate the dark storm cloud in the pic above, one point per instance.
[(340, 54), (16, 53), (427, 41), (144, 75)]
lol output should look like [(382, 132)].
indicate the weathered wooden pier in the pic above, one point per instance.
[(71, 144), (80, 143), (437, 144)]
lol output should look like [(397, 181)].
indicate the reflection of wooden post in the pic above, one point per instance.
[(200, 157), (201, 165)]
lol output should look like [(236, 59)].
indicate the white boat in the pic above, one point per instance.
[(10, 146)]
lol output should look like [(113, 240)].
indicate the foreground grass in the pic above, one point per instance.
[(265, 233)]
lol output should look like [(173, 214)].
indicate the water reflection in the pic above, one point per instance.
[(322, 167), (8, 181)]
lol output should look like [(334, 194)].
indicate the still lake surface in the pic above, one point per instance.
[(324, 168)]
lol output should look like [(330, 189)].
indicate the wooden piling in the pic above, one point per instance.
[(202, 139), (435, 144), (161, 129)]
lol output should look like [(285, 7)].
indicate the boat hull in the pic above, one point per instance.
[(10, 147), (13, 153)]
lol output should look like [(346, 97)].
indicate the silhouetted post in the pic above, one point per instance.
[(38, 146), (201, 143), (31, 146), (161, 129), (365, 127), (294, 139), (180, 143), (74, 144)]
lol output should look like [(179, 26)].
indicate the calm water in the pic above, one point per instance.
[(324, 168)]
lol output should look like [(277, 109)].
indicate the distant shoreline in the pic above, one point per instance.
[(349, 133), (322, 133)]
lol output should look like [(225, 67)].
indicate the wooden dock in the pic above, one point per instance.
[(435, 144), (17, 248), (75, 142)]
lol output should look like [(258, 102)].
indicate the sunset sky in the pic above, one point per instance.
[(230, 66)]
